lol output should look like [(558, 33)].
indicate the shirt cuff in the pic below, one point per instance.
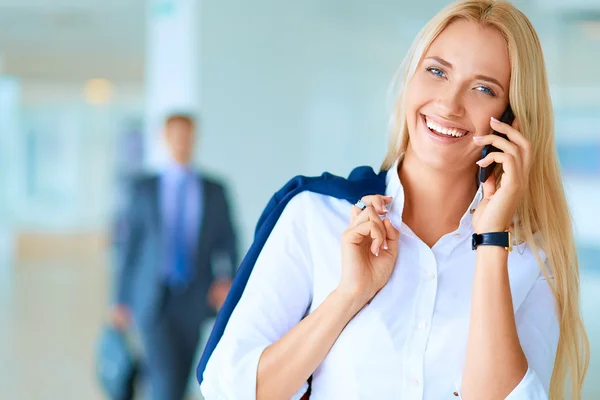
[(241, 382), (300, 392), (530, 388)]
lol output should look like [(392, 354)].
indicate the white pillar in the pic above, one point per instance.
[(172, 68), (172, 77)]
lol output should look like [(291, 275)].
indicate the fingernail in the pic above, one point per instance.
[(385, 209), (494, 119), (477, 138), (385, 246), (478, 162), (377, 253)]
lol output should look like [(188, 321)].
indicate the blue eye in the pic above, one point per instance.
[(486, 90), (436, 72)]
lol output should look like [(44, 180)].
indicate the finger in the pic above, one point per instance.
[(515, 136), (378, 202), (391, 232), (354, 212), (392, 235), (369, 229), (515, 125), (524, 144), (378, 238), (489, 186), (509, 164), (365, 215), (499, 143), (369, 214)]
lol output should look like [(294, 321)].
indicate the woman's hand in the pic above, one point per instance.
[(496, 210), (369, 249)]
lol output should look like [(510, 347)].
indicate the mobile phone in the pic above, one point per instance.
[(484, 173)]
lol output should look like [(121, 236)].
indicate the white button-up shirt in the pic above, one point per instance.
[(409, 342)]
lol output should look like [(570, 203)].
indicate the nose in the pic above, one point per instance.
[(451, 102)]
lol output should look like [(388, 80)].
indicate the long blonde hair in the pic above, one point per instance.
[(544, 208)]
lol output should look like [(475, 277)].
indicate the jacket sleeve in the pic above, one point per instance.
[(129, 233), (225, 256)]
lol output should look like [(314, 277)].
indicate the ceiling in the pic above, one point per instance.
[(74, 40)]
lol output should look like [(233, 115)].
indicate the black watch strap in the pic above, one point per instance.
[(501, 239)]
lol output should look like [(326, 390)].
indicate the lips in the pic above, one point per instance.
[(443, 128)]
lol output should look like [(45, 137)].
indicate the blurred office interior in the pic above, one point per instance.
[(282, 88)]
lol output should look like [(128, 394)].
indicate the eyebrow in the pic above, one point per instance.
[(479, 76)]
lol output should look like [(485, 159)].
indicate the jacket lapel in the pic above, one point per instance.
[(155, 202), (204, 216)]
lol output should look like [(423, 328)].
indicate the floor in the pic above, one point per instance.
[(50, 318), (49, 324)]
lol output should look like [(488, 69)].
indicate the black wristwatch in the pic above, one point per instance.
[(502, 239)]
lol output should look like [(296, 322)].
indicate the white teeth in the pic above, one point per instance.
[(446, 131)]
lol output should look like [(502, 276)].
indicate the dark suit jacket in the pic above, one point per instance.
[(140, 285)]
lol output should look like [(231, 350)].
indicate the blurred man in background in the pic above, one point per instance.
[(177, 259)]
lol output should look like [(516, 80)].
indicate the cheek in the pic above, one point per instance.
[(419, 91), (417, 96), (480, 111)]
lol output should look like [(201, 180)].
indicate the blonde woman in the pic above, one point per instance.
[(410, 308)]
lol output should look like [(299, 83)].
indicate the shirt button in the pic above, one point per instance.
[(456, 235), (431, 276), (416, 382), (422, 325)]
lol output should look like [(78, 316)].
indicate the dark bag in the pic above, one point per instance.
[(116, 364)]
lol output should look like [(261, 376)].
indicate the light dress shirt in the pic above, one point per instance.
[(170, 179), (409, 342)]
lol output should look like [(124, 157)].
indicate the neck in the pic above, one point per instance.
[(180, 163), (435, 199)]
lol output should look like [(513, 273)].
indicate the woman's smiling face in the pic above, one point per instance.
[(461, 82)]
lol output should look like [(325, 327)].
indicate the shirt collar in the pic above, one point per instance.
[(394, 188), (176, 170)]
